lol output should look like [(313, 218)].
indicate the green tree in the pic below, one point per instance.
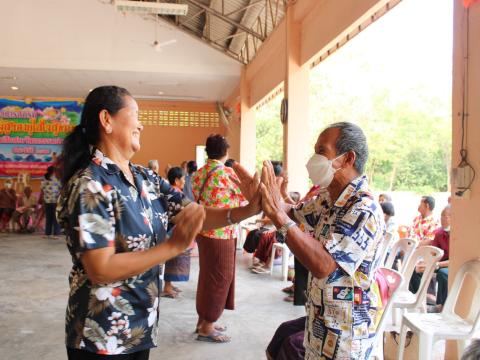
[(269, 132)]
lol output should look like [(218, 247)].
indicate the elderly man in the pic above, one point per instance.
[(442, 241), (424, 225), (343, 301), (23, 213)]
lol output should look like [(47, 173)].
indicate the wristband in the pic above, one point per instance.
[(229, 217)]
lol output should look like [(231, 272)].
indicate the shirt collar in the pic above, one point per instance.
[(214, 161), (358, 184), (108, 164)]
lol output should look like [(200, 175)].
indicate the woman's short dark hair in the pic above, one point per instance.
[(191, 166), (175, 173), (277, 168), (430, 201), (49, 173), (76, 153), (216, 146), (388, 208), (230, 162)]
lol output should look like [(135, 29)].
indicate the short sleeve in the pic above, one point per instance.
[(307, 213), (92, 218), (353, 237)]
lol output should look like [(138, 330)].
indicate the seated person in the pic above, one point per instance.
[(391, 233), (259, 242), (389, 213), (384, 198), (442, 241), (8, 200), (424, 225), (26, 208)]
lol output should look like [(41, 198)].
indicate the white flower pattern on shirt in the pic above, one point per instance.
[(100, 208)]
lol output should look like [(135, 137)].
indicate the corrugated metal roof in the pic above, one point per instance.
[(236, 27)]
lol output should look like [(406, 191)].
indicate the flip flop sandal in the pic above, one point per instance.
[(176, 289), (214, 337), (221, 328), (260, 271), (168, 295)]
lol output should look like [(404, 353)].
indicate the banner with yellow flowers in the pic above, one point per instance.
[(32, 132)]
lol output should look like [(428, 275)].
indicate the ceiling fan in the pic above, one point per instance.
[(156, 44)]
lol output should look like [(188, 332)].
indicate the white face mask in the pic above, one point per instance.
[(447, 229), (8, 185), (320, 170)]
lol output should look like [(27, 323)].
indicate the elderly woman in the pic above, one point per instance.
[(178, 268), (116, 216), (215, 185)]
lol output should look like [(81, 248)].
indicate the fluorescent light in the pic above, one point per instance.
[(146, 7), (167, 97), (160, 93), (14, 87)]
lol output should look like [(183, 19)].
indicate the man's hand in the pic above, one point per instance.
[(420, 267), (284, 185), (272, 201)]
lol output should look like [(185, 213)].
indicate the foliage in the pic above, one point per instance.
[(269, 132), (406, 116)]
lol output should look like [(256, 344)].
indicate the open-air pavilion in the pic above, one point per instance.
[(193, 75)]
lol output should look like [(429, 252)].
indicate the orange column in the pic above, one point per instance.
[(464, 243), (295, 130), (247, 126)]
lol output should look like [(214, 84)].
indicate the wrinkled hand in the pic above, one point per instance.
[(248, 184), (284, 185), (189, 223), (272, 200), (420, 267)]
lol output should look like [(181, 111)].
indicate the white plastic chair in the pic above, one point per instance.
[(394, 280), (388, 240), (405, 298), (431, 327), (407, 246), (285, 256)]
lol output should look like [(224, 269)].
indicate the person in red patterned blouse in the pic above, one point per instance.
[(215, 185), (424, 225)]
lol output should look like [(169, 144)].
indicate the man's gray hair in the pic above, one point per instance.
[(152, 163), (352, 138)]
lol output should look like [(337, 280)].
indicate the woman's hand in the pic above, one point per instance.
[(249, 185), (272, 200), (189, 223)]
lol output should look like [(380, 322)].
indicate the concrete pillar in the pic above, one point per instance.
[(295, 132), (464, 242), (247, 126)]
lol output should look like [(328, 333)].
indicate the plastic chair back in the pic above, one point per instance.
[(394, 281), (407, 246), (383, 247), (430, 256), (471, 268)]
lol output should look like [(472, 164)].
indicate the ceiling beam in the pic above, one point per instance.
[(203, 39), (226, 19), (245, 7)]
